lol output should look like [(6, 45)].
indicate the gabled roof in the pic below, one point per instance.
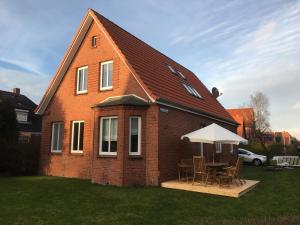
[(18, 101), (149, 67), (245, 114), (126, 100)]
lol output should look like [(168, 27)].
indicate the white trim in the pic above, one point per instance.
[(118, 96), (231, 149), (218, 148), (107, 87), (78, 141), (21, 110), (65, 64), (139, 135), (129, 68), (24, 113), (100, 135), (61, 124), (193, 112), (94, 44), (83, 80)]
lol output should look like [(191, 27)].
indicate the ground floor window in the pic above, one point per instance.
[(134, 135), (218, 148), (108, 135), (77, 136), (57, 137), (231, 149)]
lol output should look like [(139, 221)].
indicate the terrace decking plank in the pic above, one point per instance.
[(234, 190)]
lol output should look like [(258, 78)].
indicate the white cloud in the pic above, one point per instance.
[(296, 105), (31, 85), (265, 59), (295, 132)]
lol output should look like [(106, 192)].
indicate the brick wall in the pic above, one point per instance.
[(172, 125), (67, 106)]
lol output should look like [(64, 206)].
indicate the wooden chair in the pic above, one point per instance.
[(184, 167), (200, 169), (233, 173)]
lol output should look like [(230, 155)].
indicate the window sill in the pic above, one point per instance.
[(106, 89), (76, 153), (81, 93), (135, 157), (107, 156), (56, 153)]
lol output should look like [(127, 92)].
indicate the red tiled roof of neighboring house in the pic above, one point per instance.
[(151, 67), (246, 113)]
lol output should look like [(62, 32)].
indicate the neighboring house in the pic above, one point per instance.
[(283, 138), (116, 109), (29, 124), (269, 137), (245, 117)]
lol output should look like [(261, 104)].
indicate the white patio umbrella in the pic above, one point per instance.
[(214, 134)]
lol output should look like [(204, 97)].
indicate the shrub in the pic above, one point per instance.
[(274, 149), (20, 158)]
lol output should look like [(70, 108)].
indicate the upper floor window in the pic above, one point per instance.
[(172, 69), (21, 115), (218, 148), (108, 135), (57, 137), (191, 90), (82, 80), (106, 75), (77, 136), (94, 41), (135, 135), (181, 74)]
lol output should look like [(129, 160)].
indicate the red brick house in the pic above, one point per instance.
[(116, 109), (283, 138), (245, 117)]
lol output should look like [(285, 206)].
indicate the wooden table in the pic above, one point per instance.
[(215, 166)]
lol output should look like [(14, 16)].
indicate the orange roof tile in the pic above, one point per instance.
[(150, 66)]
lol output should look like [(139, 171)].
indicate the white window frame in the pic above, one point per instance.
[(100, 135), (72, 136), (172, 69), (139, 135), (181, 74), (218, 148), (107, 87), (83, 80), (94, 41), (22, 111), (58, 137), (231, 149), (188, 89), (196, 93), (191, 90)]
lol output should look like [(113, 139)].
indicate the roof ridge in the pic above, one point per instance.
[(163, 54)]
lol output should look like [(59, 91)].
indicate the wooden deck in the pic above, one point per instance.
[(234, 190)]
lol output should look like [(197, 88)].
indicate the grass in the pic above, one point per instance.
[(52, 200)]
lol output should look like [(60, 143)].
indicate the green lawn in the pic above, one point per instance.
[(52, 200)]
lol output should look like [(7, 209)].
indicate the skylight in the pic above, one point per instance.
[(172, 69), (181, 74), (191, 90)]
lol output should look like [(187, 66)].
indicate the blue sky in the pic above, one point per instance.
[(239, 46)]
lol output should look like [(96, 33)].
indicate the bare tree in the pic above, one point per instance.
[(260, 104)]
